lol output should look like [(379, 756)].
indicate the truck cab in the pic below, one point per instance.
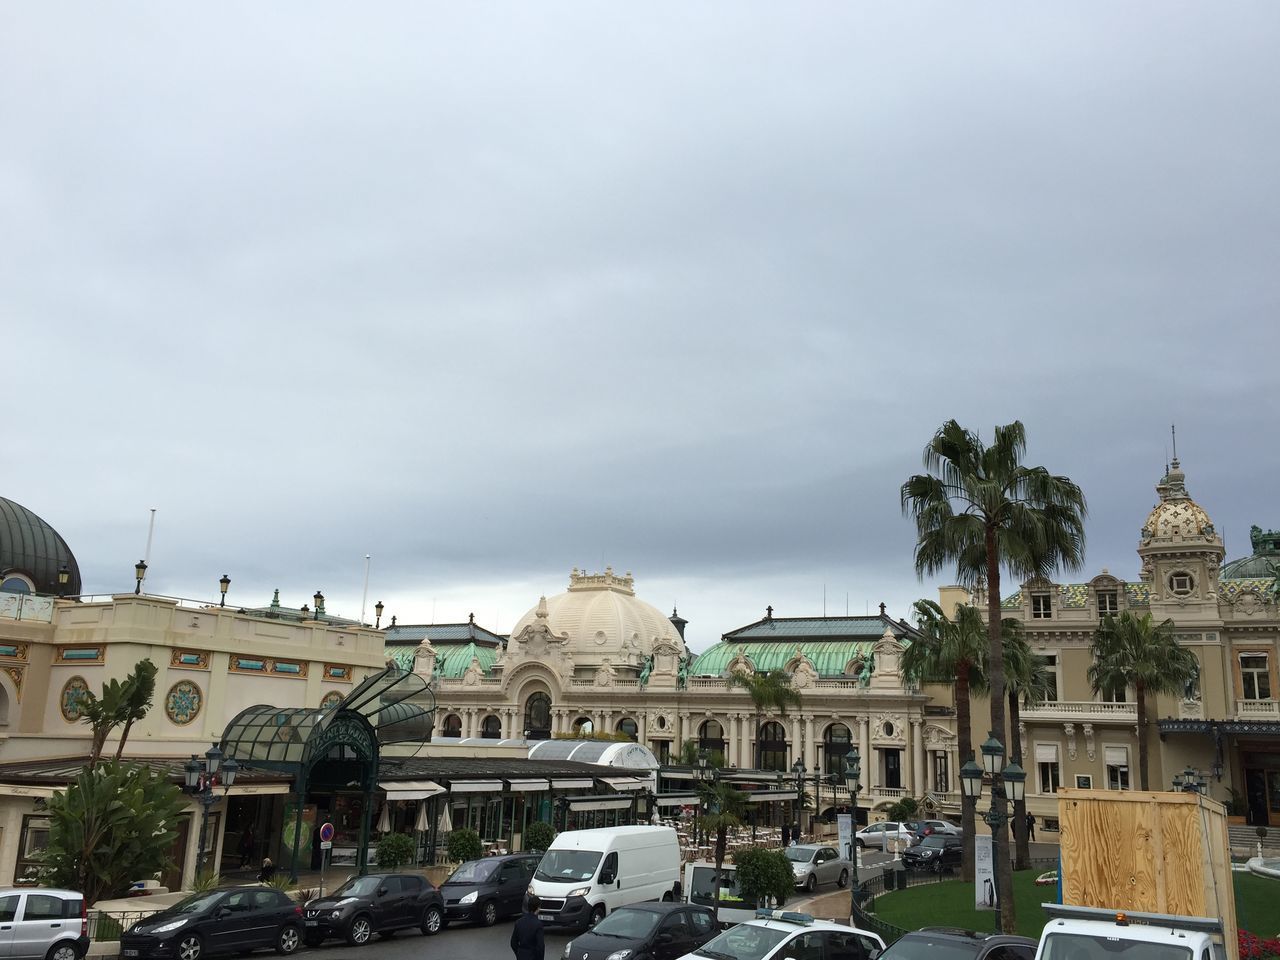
[(1089, 933)]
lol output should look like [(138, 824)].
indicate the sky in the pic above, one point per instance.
[(490, 291)]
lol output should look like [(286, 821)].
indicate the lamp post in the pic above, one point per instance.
[(64, 577), (223, 583), (701, 771), (1190, 780), (377, 615), (200, 781), (852, 774), (1007, 782), (319, 600), (139, 571), (797, 768)]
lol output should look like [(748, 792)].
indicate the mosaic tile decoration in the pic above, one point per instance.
[(1074, 596), (1138, 594), (1012, 602), (81, 655), (182, 705), (190, 659), (71, 700), (337, 671), (1230, 589), (331, 700)]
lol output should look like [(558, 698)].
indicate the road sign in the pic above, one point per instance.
[(326, 834), (326, 844)]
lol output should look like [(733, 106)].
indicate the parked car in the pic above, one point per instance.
[(777, 934), (815, 863), (937, 852), (486, 890), (883, 834), (226, 920), (930, 943), (380, 903), (927, 828), (645, 931), (43, 922)]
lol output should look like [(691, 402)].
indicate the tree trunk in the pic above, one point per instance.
[(1141, 697), (968, 808), (1022, 842), (124, 735), (995, 663)]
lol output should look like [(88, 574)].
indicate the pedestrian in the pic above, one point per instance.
[(526, 936), (267, 872), (246, 847), (1031, 826)]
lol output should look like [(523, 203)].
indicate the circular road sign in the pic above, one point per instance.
[(326, 832)]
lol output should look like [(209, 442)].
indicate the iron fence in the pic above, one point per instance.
[(107, 927)]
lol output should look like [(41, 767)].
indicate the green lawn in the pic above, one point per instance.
[(950, 904)]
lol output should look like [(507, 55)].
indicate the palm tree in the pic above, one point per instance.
[(979, 510), (139, 691), (952, 650), (102, 714), (723, 808), (1132, 652), (1029, 683), (768, 691)]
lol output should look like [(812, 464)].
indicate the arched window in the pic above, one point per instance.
[(835, 747), (15, 584), (584, 727), (453, 725), (771, 748), (628, 726), (711, 739), (491, 728), (537, 717)]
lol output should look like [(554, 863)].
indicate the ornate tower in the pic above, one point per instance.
[(1181, 554)]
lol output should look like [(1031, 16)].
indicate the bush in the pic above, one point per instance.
[(464, 845), (206, 882), (395, 850), (538, 836), (763, 874)]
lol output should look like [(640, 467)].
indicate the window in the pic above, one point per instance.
[(941, 773), (807, 946), (663, 749), (1108, 603), (1255, 676), (628, 726), (835, 747), (41, 906), (1051, 676), (701, 922), (893, 769), (9, 908), (772, 747), (584, 727), (845, 946), (1084, 781), (1181, 583), (491, 728), (1117, 761), (31, 846), (1047, 767), (453, 725), (1041, 606), (711, 739), (537, 717), (15, 584)]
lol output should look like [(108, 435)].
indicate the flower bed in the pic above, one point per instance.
[(1253, 947)]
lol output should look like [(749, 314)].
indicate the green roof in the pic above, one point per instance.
[(818, 628), (829, 657), (452, 659)]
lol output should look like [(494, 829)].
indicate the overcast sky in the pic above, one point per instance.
[(493, 290)]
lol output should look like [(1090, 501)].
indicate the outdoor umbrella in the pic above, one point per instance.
[(384, 820), (422, 825), (445, 824)]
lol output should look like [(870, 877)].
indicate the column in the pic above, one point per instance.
[(810, 748), (642, 728), (869, 774), (682, 729), (918, 787), (797, 743)]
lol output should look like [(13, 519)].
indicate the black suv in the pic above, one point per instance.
[(380, 903), (930, 943), (936, 852), (485, 890), (228, 920)]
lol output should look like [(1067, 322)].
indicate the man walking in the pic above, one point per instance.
[(526, 936), (1031, 826)]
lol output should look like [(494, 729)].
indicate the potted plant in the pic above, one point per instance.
[(1237, 808)]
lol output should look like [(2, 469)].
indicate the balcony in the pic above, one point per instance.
[(1082, 710), (1258, 709), (890, 793)]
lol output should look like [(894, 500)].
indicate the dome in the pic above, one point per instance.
[(1265, 561), (1176, 515), (32, 552), (601, 616)]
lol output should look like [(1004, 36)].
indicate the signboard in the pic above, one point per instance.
[(326, 844), (984, 873), (326, 834), (844, 826)]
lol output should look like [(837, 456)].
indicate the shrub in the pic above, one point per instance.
[(397, 849), (763, 874), (464, 845), (538, 836), (206, 882), (1253, 947), (280, 880)]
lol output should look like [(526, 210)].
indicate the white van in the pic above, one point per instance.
[(699, 888), (586, 873)]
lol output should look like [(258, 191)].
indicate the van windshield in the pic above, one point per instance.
[(703, 888), (1080, 946), (567, 866)]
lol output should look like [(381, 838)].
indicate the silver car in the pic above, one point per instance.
[(815, 863), (36, 922)]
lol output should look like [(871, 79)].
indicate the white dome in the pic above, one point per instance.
[(601, 616), (1176, 516)]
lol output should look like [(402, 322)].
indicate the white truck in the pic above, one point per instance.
[(1092, 933)]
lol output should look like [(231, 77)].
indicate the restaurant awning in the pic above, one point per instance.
[(411, 789), (764, 796), (677, 800), (561, 783), (599, 803), (476, 786), (527, 785), (625, 783)]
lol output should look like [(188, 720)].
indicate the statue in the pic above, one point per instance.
[(646, 670), (682, 674), (864, 678)]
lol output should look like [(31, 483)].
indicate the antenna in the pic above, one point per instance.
[(151, 529), (1173, 432), (364, 599), (824, 601)]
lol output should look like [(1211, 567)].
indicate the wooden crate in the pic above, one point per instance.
[(1147, 852)]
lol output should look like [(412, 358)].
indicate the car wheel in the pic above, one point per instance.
[(811, 884), (288, 940), (844, 878), (358, 933), (190, 947), (597, 915), (63, 951), (432, 921), (489, 913), (861, 844)]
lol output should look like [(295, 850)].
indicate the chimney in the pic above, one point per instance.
[(678, 622)]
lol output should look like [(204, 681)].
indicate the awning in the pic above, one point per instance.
[(598, 803), (572, 784), (677, 800), (625, 783), (1115, 756), (1046, 753), (411, 789), (678, 774), (526, 785), (476, 786), (766, 795)]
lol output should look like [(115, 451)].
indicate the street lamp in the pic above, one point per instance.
[(1007, 783), (200, 780), (1190, 781), (319, 599), (797, 769), (139, 571), (377, 610), (64, 577), (222, 585), (852, 774)]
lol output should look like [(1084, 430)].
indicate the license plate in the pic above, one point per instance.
[(129, 953), (546, 916), (310, 923)]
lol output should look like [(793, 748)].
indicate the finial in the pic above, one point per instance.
[(882, 608), (275, 598), (768, 612), (471, 618), (393, 619), (1173, 432)]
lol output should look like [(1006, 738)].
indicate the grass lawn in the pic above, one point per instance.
[(950, 904)]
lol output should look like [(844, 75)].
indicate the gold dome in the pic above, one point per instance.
[(1176, 515)]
